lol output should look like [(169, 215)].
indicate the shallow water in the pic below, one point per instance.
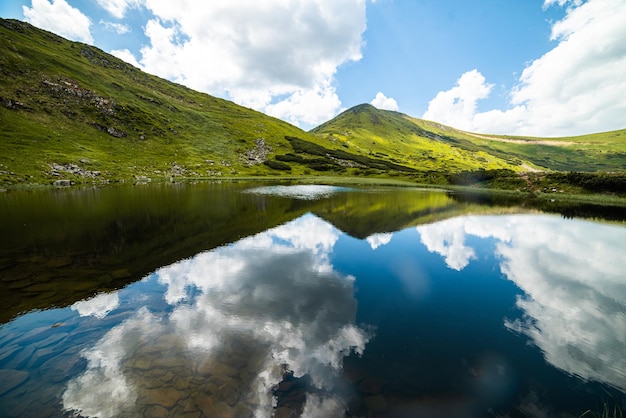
[(327, 302)]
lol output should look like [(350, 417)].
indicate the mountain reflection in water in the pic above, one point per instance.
[(472, 316)]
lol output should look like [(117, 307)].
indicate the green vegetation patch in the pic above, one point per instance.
[(337, 157)]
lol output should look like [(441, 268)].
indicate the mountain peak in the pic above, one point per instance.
[(363, 107)]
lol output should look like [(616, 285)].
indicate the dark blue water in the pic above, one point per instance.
[(472, 316)]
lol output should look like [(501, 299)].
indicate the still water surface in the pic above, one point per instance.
[(237, 301)]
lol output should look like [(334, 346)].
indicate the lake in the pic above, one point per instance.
[(250, 300)]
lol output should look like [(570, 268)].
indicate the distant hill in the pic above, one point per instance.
[(70, 112), (433, 146)]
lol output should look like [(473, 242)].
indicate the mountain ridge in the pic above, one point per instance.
[(71, 113), (604, 151)]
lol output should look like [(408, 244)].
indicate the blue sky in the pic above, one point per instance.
[(526, 67)]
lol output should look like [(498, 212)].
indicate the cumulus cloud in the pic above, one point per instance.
[(275, 56), (59, 17), (118, 28), (240, 314), (126, 55), (548, 3), (378, 240), (118, 8), (572, 277), (457, 106), (576, 88), (306, 107), (383, 102)]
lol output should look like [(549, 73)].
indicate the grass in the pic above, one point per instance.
[(606, 412), (98, 120), (403, 137)]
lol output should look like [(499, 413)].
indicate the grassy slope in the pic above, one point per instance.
[(58, 99), (70, 104), (405, 140), (438, 147)]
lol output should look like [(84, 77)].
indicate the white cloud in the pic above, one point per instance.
[(548, 3), (275, 56), (383, 102), (126, 55), (572, 276), (118, 8), (306, 107), (118, 28), (457, 106), (577, 87), (378, 240), (59, 17)]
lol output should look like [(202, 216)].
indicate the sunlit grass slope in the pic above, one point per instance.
[(433, 146), (413, 142), (70, 111)]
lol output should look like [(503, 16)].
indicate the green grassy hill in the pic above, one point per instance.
[(432, 146), (71, 113), (414, 142)]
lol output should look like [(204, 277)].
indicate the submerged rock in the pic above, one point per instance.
[(10, 379)]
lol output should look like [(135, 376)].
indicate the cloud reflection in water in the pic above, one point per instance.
[(237, 316), (572, 274), (377, 240), (99, 306)]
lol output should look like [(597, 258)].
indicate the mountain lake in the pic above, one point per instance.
[(277, 300)]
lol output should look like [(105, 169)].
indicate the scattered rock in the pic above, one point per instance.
[(229, 393), (165, 397), (156, 411), (217, 368), (177, 170), (258, 154), (57, 169), (117, 133), (65, 87), (284, 412), (13, 104)]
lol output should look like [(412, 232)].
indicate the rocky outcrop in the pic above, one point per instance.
[(65, 87), (13, 104), (57, 170), (258, 154)]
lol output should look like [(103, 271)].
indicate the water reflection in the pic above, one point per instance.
[(99, 306), (301, 191), (377, 240), (237, 319), (215, 333), (572, 275)]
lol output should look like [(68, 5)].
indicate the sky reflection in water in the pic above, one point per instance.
[(250, 308), (428, 320), (573, 277)]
